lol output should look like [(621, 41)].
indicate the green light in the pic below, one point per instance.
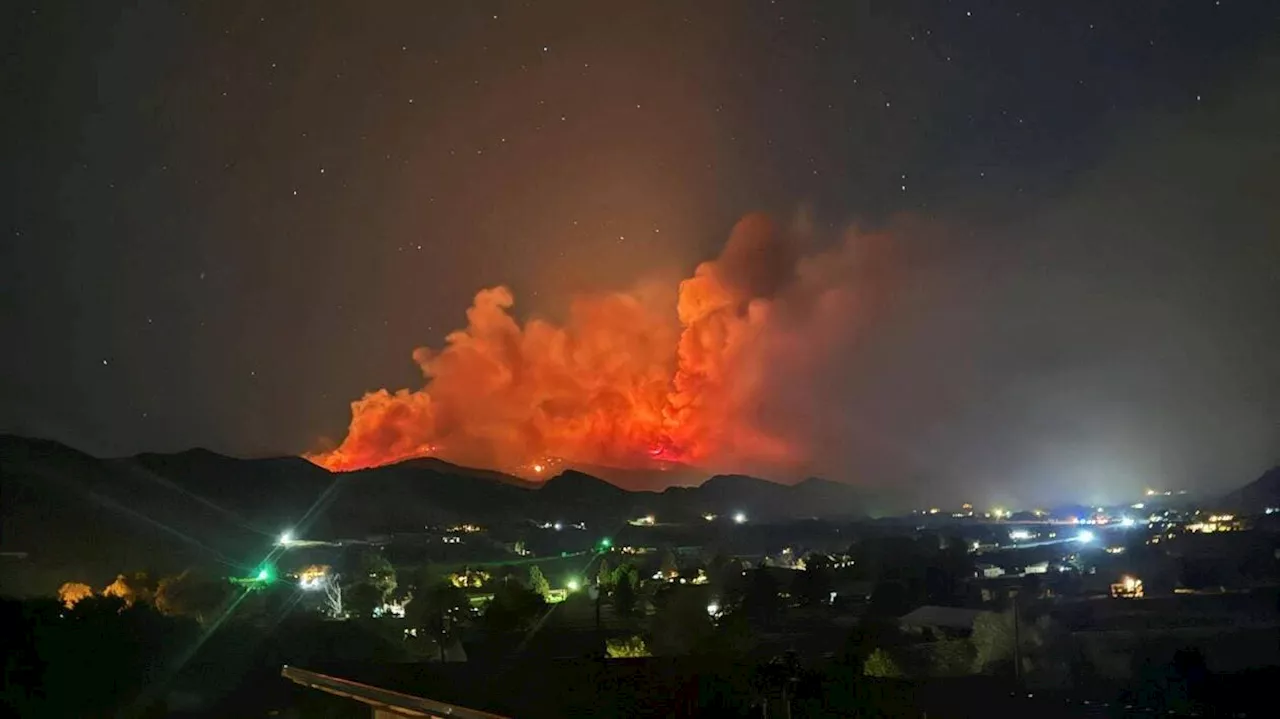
[(573, 585), (266, 574), (606, 542), (262, 575)]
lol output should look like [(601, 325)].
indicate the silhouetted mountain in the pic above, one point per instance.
[(442, 467), (656, 478), (83, 518), (1256, 496)]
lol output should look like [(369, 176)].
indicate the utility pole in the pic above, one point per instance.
[(1017, 641), (444, 632), (595, 592)]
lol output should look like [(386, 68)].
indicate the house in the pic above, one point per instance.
[(941, 622), (990, 571)]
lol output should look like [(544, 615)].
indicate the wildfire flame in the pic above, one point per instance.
[(623, 383)]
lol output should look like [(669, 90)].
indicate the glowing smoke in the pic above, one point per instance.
[(626, 383)]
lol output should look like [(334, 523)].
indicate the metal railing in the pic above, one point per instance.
[(383, 701)]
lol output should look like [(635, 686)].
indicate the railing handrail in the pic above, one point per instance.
[(377, 696)]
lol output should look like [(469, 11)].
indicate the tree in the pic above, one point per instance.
[(625, 581), (375, 569), (681, 624), (333, 595), (191, 595), (513, 608), (1039, 644), (129, 590), (668, 566), (722, 570), (761, 602), (436, 611), (362, 598), (72, 592), (438, 607), (814, 584), (369, 585), (627, 648), (889, 599), (871, 634), (538, 583), (604, 577), (881, 664)]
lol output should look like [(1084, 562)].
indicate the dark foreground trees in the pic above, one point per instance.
[(92, 660)]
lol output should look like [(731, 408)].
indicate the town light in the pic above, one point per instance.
[(313, 578), (739, 518), (1126, 521), (1084, 537)]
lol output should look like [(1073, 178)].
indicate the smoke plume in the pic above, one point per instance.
[(719, 383)]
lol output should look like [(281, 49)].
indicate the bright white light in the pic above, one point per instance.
[(1084, 537), (713, 609), (558, 526), (1019, 535), (573, 585), (286, 537), (739, 518), (1126, 521)]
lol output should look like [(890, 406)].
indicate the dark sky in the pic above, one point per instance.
[(223, 221)]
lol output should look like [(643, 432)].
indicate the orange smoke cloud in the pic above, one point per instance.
[(623, 382)]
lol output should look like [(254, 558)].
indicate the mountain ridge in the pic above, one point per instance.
[(75, 514)]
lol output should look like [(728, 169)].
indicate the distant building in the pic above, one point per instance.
[(1037, 568), (990, 571), (941, 622)]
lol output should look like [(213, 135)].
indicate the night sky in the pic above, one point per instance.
[(224, 221)]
